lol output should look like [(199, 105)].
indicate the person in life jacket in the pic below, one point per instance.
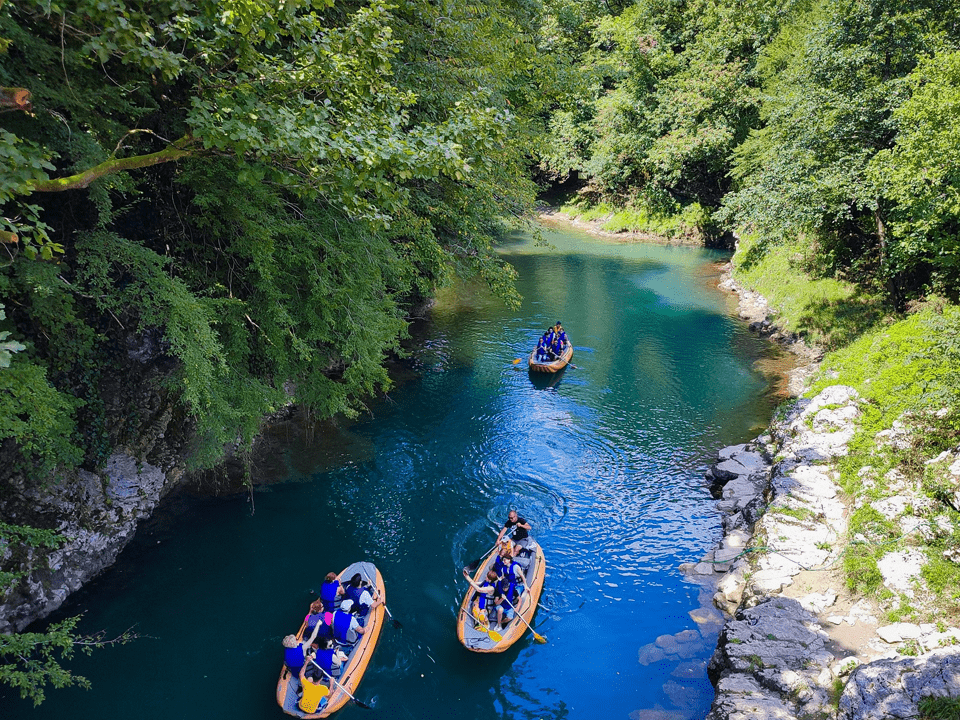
[(314, 618), (543, 347), (330, 659), (560, 333), (558, 344), (506, 597), (346, 628), (522, 542), (358, 594), (314, 690), (330, 591), (295, 652), (551, 337), (507, 568), (483, 608)]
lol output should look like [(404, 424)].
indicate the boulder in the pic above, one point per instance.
[(892, 689)]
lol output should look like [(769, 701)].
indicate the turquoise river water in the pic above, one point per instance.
[(605, 460)]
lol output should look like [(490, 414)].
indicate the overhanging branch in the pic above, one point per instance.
[(179, 149)]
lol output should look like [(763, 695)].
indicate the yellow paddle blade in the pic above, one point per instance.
[(518, 361), (539, 638), (494, 635)]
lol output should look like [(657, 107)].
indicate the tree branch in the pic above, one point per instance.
[(179, 149)]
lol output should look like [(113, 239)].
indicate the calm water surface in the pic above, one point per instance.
[(606, 461)]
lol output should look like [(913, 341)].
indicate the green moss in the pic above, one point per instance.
[(798, 513)]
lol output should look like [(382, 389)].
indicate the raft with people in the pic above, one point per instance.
[(482, 634), (340, 688), (552, 366), (553, 352)]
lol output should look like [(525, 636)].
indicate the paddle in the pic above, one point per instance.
[(536, 636), (361, 704), (396, 623), (492, 634), (474, 564), (518, 361)]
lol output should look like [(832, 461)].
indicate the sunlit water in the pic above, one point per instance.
[(605, 460)]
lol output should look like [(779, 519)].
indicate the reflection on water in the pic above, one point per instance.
[(605, 459)]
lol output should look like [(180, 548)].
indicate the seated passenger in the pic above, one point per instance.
[(330, 591), (506, 598), (330, 658), (296, 652), (314, 617), (346, 628), (484, 606), (358, 592), (509, 569), (542, 347), (557, 346), (313, 689)]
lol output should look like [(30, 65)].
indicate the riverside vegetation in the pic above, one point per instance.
[(256, 194)]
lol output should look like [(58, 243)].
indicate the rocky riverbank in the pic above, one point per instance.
[(799, 643)]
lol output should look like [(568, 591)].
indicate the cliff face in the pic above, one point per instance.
[(97, 514)]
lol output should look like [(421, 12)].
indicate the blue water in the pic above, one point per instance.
[(605, 460)]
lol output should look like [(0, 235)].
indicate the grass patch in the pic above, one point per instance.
[(903, 610), (943, 577), (898, 368), (797, 513), (826, 311), (939, 708), (691, 221), (861, 570), (580, 209)]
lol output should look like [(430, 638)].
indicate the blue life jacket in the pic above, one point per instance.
[(484, 597), (341, 624), (510, 573), (325, 659), (354, 594), (312, 620), (563, 337), (508, 589), (328, 594), (294, 658)]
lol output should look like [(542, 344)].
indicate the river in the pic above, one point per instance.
[(605, 460)]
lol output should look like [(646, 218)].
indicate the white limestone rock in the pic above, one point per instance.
[(818, 602), (899, 569), (892, 689)]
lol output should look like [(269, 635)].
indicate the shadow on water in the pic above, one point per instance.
[(546, 381)]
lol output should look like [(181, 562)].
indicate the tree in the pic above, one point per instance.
[(831, 82), (919, 177)]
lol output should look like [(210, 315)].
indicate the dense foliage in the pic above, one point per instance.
[(268, 183), (829, 121), (247, 195)]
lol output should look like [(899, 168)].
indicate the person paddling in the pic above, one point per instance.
[(485, 606)]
